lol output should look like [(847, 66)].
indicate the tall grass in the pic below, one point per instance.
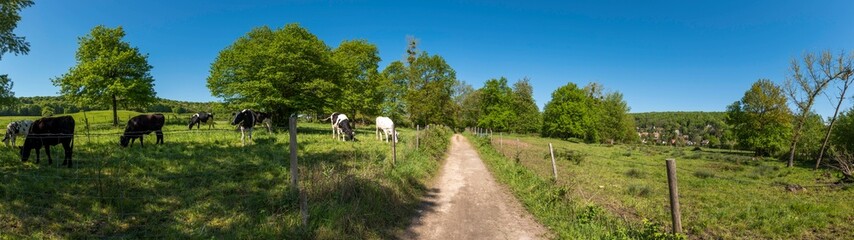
[(724, 194), (204, 184), (554, 205)]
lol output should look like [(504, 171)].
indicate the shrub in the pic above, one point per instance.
[(435, 141), (570, 155), (639, 190), (704, 173), (634, 173)]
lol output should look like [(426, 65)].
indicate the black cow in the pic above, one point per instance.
[(247, 120), (143, 125), (47, 132), (344, 126), (264, 118), (202, 117)]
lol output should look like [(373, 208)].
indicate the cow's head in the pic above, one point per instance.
[(29, 144), (241, 116), (124, 140)]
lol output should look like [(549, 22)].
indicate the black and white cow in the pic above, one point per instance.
[(344, 129), (335, 119), (246, 120), (266, 119), (143, 125), (49, 131), (202, 117), (15, 129)]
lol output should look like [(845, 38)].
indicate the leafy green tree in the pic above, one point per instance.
[(7, 97), (570, 114), (431, 86), (285, 70), (108, 70), (616, 124), (761, 121), (496, 108), (810, 142), (362, 92), (9, 17), (528, 117), (394, 88), (468, 109), (843, 133)]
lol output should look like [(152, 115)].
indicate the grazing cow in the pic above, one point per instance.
[(17, 128), (387, 126), (246, 119), (49, 131), (266, 119), (202, 117), (143, 125), (333, 119), (344, 128)]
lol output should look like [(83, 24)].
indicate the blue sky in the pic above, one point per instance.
[(662, 55)]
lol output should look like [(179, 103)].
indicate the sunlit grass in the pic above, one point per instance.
[(205, 184), (724, 194)]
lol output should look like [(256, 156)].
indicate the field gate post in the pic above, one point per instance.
[(674, 196), (292, 130), (554, 166), (394, 146), (501, 141), (417, 136)]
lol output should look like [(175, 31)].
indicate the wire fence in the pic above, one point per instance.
[(112, 192)]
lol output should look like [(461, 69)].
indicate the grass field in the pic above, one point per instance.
[(722, 195), (204, 184)]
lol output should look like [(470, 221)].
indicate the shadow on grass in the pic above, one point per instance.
[(183, 190)]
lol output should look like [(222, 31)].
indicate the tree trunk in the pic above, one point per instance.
[(115, 113), (832, 121), (795, 138)]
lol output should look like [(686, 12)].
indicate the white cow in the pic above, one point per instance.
[(386, 125), (18, 128)]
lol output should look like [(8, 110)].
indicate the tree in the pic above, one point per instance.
[(9, 17), (108, 69), (283, 71), (804, 86), (467, 111), (761, 120), (845, 66), (431, 81), (7, 97), (843, 134), (616, 123), (570, 114), (359, 61), (394, 85), (528, 117), (496, 105)]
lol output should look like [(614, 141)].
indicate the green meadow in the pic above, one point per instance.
[(723, 194), (204, 184)]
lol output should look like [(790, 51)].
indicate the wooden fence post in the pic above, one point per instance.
[(554, 166), (674, 196), (292, 129), (417, 136), (393, 146), (501, 141)]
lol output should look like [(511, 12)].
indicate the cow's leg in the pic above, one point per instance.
[(250, 135), (38, 155), (242, 136), (159, 137), (140, 141), (377, 133), (47, 151), (67, 160)]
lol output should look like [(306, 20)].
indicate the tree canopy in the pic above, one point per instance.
[(362, 89), (9, 17), (761, 120), (570, 114), (108, 71)]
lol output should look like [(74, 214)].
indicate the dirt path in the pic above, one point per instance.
[(466, 203)]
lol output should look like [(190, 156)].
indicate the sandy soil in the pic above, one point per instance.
[(465, 202)]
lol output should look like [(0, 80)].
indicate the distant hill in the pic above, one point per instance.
[(688, 126)]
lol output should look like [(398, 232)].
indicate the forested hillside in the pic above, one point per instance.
[(48, 105)]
